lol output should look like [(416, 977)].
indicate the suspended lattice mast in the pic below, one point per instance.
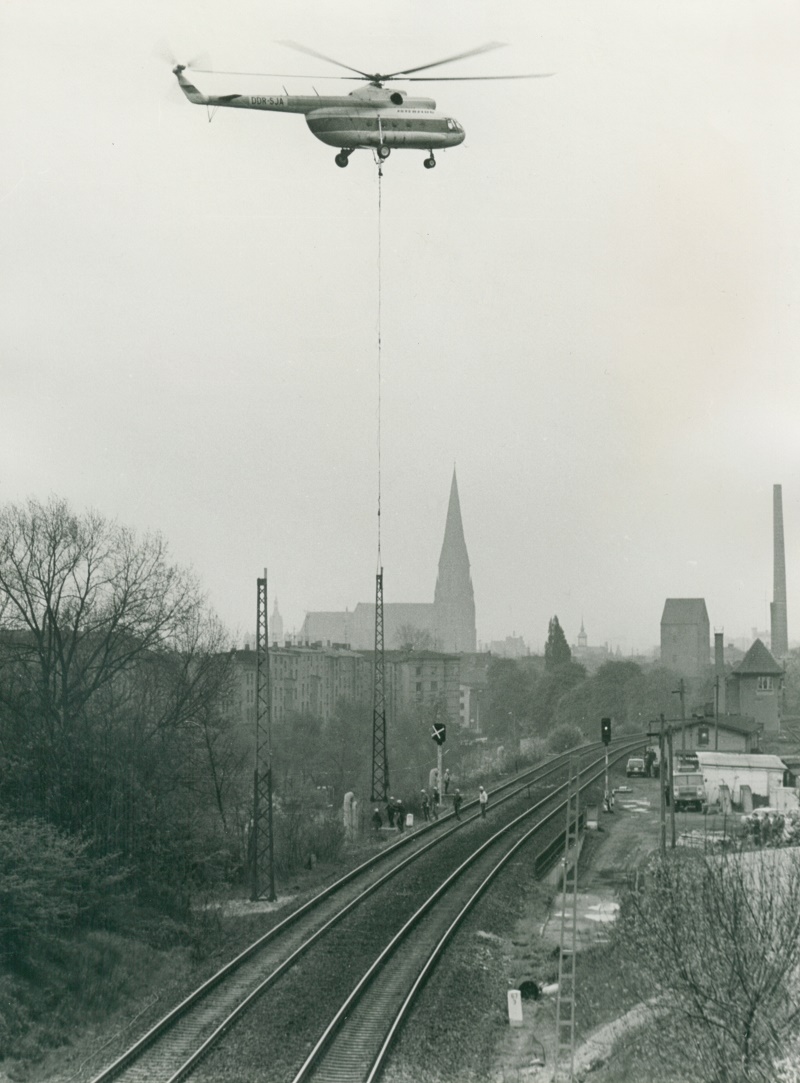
[(263, 867)]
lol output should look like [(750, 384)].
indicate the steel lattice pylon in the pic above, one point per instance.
[(263, 869), (380, 763)]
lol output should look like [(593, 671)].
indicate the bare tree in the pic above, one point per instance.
[(111, 670), (720, 938), (410, 637)]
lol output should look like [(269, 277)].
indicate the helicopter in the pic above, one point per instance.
[(373, 117)]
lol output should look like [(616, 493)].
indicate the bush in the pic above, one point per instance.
[(48, 885), (565, 736), (301, 830)]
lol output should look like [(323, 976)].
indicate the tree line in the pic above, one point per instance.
[(120, 749), (554, 699)]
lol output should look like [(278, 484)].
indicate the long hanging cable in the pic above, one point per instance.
[(380, 760), (380, 177)]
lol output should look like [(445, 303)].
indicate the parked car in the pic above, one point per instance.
[(635, 766)]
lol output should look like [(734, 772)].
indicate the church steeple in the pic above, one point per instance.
[(276, 624), (454, 600)]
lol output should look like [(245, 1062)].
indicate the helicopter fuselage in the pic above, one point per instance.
[(370, 117)]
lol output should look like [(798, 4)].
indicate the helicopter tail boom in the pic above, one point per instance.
[(189, 89)]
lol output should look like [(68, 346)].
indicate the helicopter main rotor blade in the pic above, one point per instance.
[(449, 59), (473, 78), (273, 74), (321, 56)]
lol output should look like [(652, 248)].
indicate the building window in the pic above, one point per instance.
[(764, 685), (419, 686)]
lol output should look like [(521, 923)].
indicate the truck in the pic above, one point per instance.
[(688, 790)]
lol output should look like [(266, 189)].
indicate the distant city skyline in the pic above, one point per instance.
[(589, 306)]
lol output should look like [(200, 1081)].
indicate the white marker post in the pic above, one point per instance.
[(515, 1007)]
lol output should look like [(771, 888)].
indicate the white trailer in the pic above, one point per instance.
[(763, 774)]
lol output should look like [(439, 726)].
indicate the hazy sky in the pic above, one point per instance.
[(591, 307)]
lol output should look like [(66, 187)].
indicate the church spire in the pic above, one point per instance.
[(276, 624), (454, 600)]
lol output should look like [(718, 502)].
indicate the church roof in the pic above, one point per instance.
[(758, 662)]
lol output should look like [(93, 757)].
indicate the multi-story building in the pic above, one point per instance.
[(686, 637), (309, 679), (314, 679)]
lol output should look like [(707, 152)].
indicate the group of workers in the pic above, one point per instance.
[(429, 804)]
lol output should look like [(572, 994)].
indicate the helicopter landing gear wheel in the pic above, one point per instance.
[(384, 151), (430, 163), (341, 159)]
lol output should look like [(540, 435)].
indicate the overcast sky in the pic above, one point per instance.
[(590, 307)]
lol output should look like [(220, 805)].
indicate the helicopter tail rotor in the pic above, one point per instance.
[(163, 52)]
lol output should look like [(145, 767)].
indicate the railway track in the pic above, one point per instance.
[(356, 1044), (171, 1050)]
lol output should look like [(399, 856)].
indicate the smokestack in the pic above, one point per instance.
[(779, 631), (719, 671)]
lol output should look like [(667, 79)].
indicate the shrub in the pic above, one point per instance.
[(565, 736), (48, 885)]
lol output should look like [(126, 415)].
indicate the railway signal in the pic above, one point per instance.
[(605, 732), (439, 732)]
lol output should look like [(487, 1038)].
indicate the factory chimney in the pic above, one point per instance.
[(719, 673), (779, 631)]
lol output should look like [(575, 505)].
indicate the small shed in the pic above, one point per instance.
[(723, 733), (762, 773)]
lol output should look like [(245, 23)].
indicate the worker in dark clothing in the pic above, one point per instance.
[(390, 811), (447, 780), (426, 806), (457, 802), (377, 822), (400, 815), (435, 802)]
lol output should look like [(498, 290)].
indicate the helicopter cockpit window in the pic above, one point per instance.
[(451, 124)]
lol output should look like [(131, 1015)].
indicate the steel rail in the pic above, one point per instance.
[(312, 1066), (165, 1027)]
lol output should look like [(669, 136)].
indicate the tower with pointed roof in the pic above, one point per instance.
[(454, 600), (276, 624)]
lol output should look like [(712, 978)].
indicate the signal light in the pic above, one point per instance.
[(605, 730), (439, 732)]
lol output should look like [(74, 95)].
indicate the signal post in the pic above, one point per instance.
[(605, 733), (439, 735)]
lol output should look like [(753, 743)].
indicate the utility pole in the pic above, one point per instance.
[(663, 773), (262, 840), (380, 763), (681, 691), (671, 786)]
